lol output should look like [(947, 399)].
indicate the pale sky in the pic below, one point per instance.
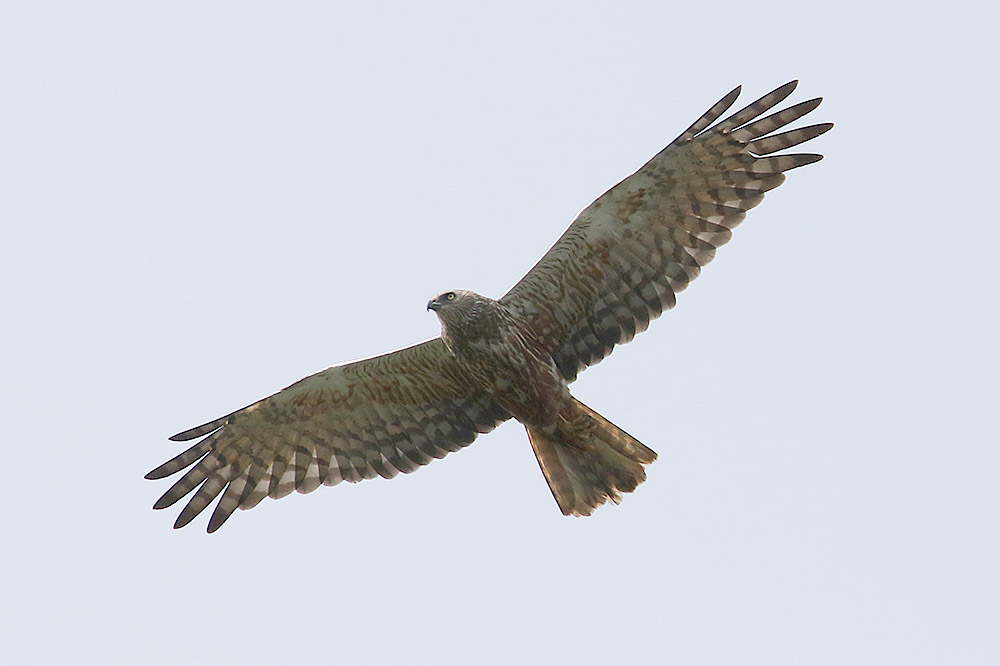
[(203, 202)]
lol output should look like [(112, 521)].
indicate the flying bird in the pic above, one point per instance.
[(619, 265)]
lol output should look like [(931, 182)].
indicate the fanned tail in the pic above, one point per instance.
[(588, 460)]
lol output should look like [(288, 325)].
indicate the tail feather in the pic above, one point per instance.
[(588, 460)]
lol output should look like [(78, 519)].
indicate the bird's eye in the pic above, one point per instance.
[(450, 296)]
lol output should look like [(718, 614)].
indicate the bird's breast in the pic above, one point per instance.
[(522, 379)]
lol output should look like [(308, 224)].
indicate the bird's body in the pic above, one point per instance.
[(618, 266), (502, 357), (585, 458)]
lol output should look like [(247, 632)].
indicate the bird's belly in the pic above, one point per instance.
[(529, 405), (531, 390)]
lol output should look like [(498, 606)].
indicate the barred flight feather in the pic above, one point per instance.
[(657, 229), (297, 441)]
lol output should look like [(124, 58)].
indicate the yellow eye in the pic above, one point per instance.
[(450, 296)]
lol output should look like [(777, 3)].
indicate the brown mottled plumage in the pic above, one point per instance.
[(617, 267)]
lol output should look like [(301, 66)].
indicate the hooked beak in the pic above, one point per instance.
[(433, 305)]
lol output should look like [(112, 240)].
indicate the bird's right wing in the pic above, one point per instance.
[(376, 417), (627, 255)]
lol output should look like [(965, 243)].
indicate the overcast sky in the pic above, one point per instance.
[(203, 202)]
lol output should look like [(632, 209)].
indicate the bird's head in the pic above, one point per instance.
[(459, 310), (447, 300)]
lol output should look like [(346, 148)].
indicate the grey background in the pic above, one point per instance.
[(202, 202)]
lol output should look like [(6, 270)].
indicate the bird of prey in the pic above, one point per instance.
[(619, 265)]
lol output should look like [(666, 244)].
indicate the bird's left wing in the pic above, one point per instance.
[(626, 256), (376, 417)]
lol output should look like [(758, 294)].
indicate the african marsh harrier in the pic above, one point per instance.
[(619, 265)]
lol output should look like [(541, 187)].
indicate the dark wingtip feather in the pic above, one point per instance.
[(783, 91), (728, 99), (775, 142), (217, 520), (811, 104), (805, 158), (709, 116), (199, 431), (206, 428), (190, 512), (163, 502), (757, 107), (182, 460), (764, 126)]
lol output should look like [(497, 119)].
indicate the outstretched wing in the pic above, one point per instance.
[(627, 255), (376, 417)]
